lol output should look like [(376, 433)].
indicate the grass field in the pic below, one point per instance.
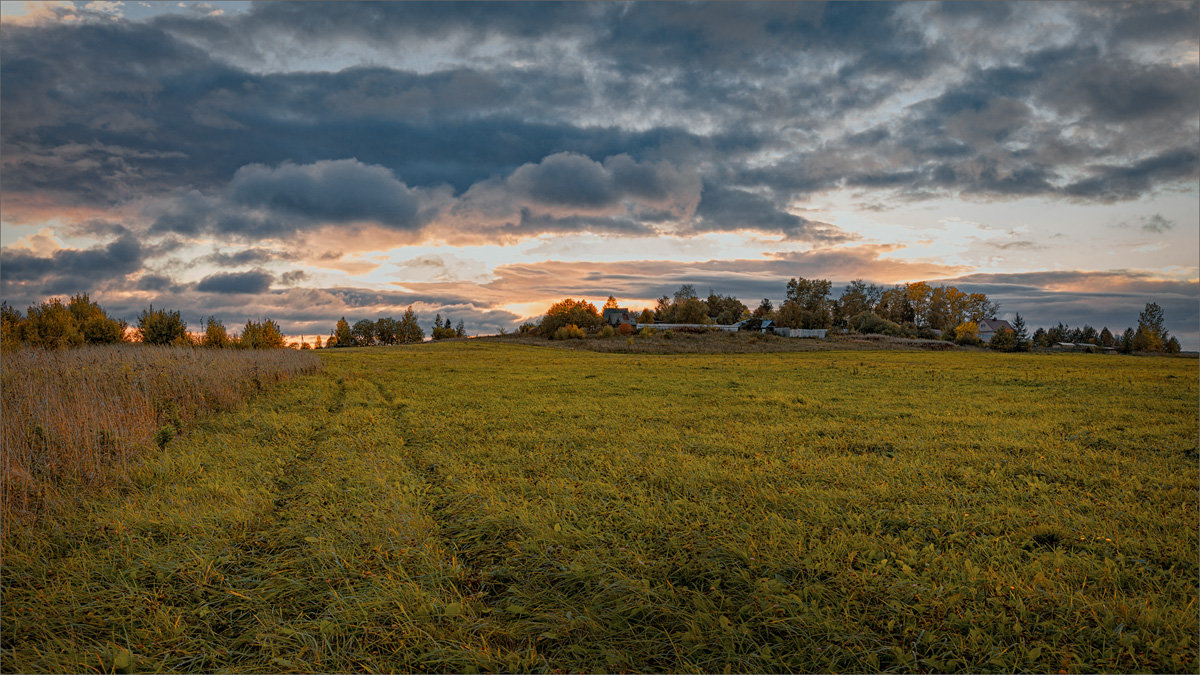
[(486, 506)]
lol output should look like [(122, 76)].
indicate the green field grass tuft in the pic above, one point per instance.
[(479, 506)]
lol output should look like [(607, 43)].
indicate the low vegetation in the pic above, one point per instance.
[(73, 419), (479, 505)]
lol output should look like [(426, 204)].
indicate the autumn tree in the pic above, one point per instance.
[(50, 325), (343, 336), (1151, 334), (967, 333), (215, 335), (161, 327), (409, 330), (94, 324), (580, 313), (611, 303), (11, 326), (647, 316)]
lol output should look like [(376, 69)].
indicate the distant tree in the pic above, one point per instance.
[(343, 335), (967, 333), (317, 342), (1058, 333), (647, 316), (1173, 346), (387, 331), (664, 310), (272, 335), (460, 330), (96, 326), (725, 310), (11, 326), (409, 329), (810, 304), (894, 306), (261, 335), (765, 310), (363, 332), (1020, 334), (1003, 340), (161, 327), (50, 325), (686, 292), (1041, 338), (1125, 344), (611, 303), (579, 313), (691, 310), (858, 297), (215, 335), (1087, 335), (1107, 339), (1151, 334)]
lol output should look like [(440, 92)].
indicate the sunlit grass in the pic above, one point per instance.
[(73, 418), (474, 506)]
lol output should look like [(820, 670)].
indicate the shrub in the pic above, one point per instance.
[(867, 322), (569, 332), (625, 329), (607, 332), (161, 327)]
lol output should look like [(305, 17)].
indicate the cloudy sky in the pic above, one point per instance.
[(309, 161)]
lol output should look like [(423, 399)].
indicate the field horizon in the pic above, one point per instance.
[(480, 505)]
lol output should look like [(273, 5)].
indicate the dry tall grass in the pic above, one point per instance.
[(77, 417)]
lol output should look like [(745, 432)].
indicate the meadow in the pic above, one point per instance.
[(483, 506)]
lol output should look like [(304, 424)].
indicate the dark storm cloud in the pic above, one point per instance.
[(98, 113), (69, 270), (337, 191), (254, 281), (729, 209)]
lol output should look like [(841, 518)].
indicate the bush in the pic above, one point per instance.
[(625, 329), (568, 332), (607, 332), (867, 322)]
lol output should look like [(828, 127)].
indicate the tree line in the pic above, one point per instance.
[(54, 324), (917, 310), (382, 331)]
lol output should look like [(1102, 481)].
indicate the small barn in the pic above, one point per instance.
[(615, 316)]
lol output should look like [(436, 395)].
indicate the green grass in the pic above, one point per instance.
[(474, 506)]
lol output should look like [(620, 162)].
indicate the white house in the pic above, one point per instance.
[(989, 327)]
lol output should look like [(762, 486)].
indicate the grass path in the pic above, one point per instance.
[(467, 507)]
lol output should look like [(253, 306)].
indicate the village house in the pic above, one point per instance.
[(615, 316), (989, 327)]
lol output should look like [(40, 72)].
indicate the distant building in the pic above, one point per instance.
[(615, 316), (989, 327)]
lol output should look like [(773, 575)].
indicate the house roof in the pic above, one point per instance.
[(994, 325)]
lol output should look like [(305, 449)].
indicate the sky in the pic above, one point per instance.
[(308, 161)]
